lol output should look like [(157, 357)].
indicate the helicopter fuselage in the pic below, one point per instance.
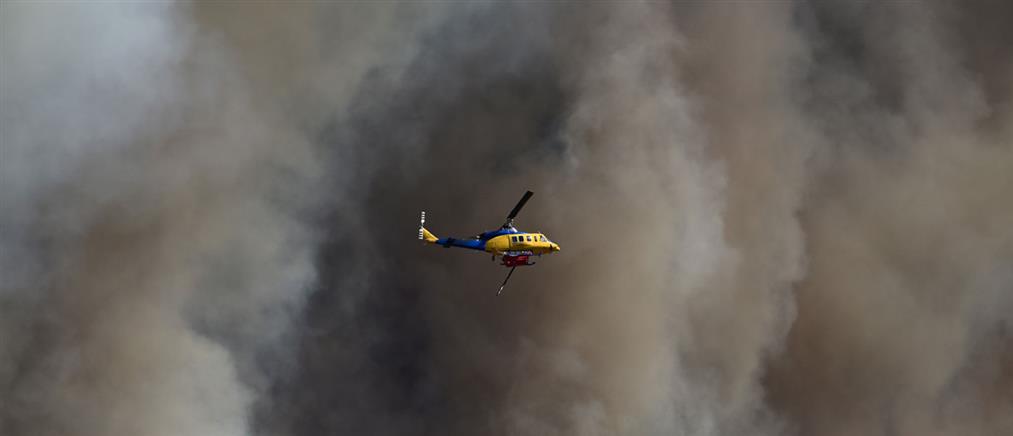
[(504, 241)]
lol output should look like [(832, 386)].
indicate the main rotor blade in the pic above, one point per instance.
[(520, 204), (505, 280)]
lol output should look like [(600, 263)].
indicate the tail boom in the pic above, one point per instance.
[(428, 237)]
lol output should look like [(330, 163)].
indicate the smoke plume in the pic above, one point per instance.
[(777, 218)]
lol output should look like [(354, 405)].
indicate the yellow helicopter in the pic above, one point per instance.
[(516, 247)]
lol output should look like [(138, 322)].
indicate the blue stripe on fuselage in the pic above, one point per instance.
[(503, 231), (474, 244)]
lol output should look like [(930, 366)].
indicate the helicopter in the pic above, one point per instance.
[(514, 246)]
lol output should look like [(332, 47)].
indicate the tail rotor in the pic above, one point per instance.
[(422, 224), (425, 235)]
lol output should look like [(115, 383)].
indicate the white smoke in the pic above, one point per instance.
[(154, 248)]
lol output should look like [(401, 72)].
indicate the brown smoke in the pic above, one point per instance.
[(776, 218), (904, 314)]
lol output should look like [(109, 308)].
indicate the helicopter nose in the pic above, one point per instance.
[(555, 247)]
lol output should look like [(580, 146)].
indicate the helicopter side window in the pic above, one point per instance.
[(513, 238), (543, 238), (529, 238)]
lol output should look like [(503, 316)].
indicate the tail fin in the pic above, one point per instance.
[(424, 234)]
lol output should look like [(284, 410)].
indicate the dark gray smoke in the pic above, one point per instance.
[(776, 218)]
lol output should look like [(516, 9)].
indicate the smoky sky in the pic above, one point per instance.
[(776, 218)]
